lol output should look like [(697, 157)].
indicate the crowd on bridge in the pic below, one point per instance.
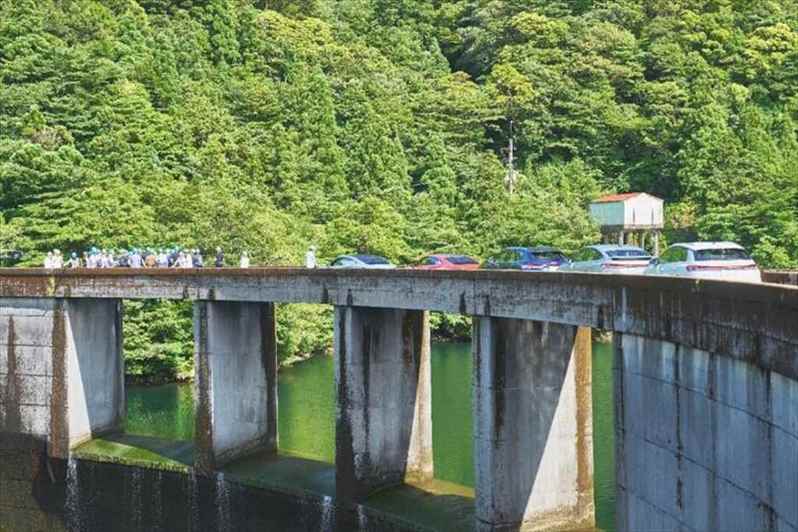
[(174, 257)]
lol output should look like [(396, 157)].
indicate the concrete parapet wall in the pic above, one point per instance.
[(704, 441), (533, 447), (235, 381), (748, 321), (780, 277)]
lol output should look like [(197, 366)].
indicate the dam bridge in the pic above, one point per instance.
[(705, 376)]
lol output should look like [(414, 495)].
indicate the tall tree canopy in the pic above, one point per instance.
[(382, 125)]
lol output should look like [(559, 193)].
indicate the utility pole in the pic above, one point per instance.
[(510, 179)]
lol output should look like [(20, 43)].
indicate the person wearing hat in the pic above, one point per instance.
[(74, 261), (310, 258)]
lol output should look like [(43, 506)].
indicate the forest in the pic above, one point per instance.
[(381, 126)]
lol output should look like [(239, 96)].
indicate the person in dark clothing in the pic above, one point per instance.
[(219, 262), (196, 259), (173, 256)]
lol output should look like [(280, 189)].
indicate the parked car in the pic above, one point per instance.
[(706, 260), (373, 262), (448, 262), (609, 259), (539, 258)]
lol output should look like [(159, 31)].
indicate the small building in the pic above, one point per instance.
[(629, 218)]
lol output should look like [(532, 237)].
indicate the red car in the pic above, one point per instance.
[(448, 262)]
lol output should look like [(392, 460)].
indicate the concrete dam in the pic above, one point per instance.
[(705, 376)]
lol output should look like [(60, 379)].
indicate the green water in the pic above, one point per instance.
[(307, 416)]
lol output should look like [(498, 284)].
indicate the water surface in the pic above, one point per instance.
[(307, 416)]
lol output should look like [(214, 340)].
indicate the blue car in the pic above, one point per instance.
[(369, 262), (541, 258)]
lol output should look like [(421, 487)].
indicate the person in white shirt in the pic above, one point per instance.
[(135, 259), (244, 262), (48, 260), (58, 260), (161, 259), (310, 257)]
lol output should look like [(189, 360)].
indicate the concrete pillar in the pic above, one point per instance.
[(61, 370), (533, 425), (235, 381), (95, 370), (383, 418)]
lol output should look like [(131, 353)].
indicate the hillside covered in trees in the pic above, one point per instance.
[(380, 125)]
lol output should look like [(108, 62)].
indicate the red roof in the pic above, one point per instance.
[(612, 198)]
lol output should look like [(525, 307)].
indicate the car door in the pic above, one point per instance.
[(582, 260), (595, 262), (673, 262), (505, 259)]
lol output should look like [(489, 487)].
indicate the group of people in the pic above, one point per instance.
[(138, 258)]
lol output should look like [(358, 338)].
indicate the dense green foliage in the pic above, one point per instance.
[(379, 125)]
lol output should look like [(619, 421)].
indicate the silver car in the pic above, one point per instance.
[(372, 262), (707, 260), (605, 258)]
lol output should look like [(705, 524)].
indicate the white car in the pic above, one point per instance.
[(608, 259), (707, 260), (370, 262)]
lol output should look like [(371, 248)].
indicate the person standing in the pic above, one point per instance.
[(163, 259), (58, 260), (244, 262), (135, 259), (219, 262), (196, 259), (74, 261), (150, 260), (310, 258), (48, 260)]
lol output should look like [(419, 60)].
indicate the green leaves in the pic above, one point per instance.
[(382, 126)]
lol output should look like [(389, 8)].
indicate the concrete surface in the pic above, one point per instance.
[(739, 319), (235, 381), (26, 365), (61, 369), (706, 379), (533, 418), (383, 425), (95, 371), (704, 441)]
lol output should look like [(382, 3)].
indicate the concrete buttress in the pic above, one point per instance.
[(533, 443), (383, 418), (235, 381)]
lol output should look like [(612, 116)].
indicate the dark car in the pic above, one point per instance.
[(540, 258)]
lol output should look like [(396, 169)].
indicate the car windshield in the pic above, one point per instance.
[(628, 254), (721, 254), (462, 259), (547, 255), (371, 259)]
